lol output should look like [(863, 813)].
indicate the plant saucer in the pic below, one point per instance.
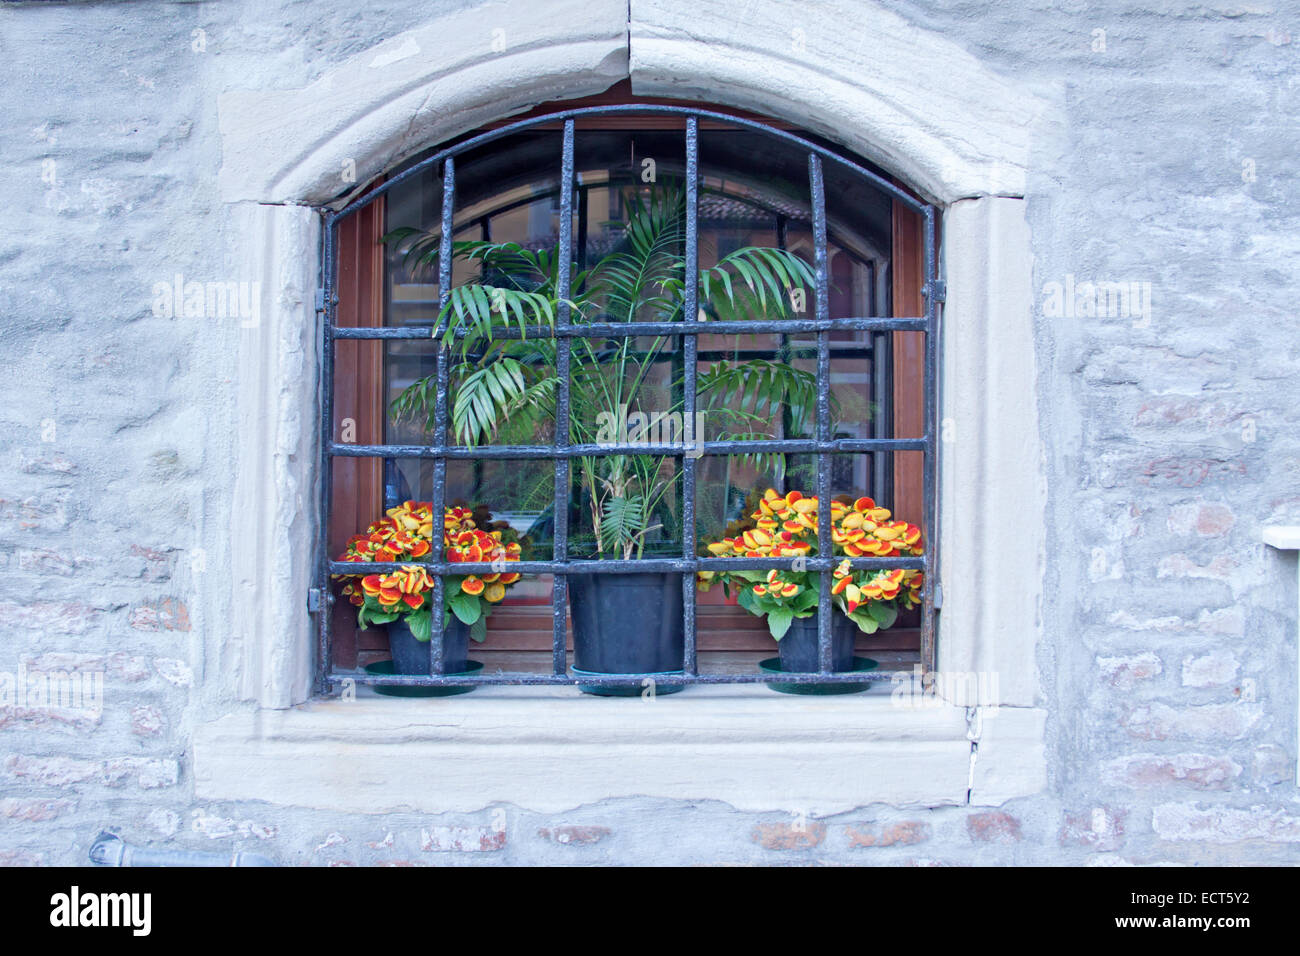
[(772, 665), (395, 690)]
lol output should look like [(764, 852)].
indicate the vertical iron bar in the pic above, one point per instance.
[(690, 345), (582, 228), (325, 647), (560, 590), (440, 411), (783, 354), (879, 385), (930, 468), (879, 397), (825, 546)]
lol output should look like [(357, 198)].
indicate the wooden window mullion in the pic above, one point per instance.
[(908, 266), (358, 397)]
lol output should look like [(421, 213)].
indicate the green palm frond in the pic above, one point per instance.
[(758, 387), (481, 397), (646, 276), (623, 522), (755, 283), (771, 461), (415, 401), (534, 270), (750, 395), (533, 405), (479, 310), (533, 267), (420, 249), (654, 216)]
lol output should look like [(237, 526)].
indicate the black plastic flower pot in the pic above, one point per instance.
[(627, 624), (412, 657), (798, 648)]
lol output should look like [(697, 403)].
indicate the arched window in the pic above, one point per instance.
[(574, 183)]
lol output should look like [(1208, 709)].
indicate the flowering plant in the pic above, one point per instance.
[(406, 534), (785, 526)]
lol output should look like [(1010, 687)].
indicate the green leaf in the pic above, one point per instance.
[(467, 607), (478, 630), (623, 520), (769, 276), (866, 625), (805, 599), (882, 613), (421, 623), (370, 617), (778, 621), (494, 396), (745, 598)]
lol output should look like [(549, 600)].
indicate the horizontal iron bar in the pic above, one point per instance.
[(793, 446), (625, 329), (630, 566), (610, 680)]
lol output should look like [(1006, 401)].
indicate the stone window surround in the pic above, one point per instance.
[(260, 737)]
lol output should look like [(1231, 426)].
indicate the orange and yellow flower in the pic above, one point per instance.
[(785, 526), (405, 533)]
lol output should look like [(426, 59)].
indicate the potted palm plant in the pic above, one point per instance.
[(400, 600), (505, 389), (865, 601)]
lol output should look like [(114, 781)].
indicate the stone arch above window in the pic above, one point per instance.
[(910, 100), (926, 111)]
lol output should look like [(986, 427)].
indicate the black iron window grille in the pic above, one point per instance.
[(823, 446)]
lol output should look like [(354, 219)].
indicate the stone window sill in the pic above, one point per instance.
[(550, 750)]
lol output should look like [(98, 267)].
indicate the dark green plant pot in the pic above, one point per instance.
[(627, 624), (412, 657), (798, 648)]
